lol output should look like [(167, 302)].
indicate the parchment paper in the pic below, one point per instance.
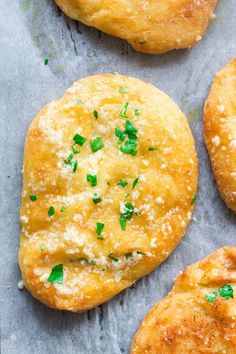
[(30, 32)]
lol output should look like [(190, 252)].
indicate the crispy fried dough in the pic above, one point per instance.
[(220, 132), (198, 316), (59, 227), (150, 26)]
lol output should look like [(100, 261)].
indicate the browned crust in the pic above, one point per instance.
[(185, 321), (150, 27), (220, 131)]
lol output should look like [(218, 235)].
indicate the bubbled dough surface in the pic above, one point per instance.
[(185, 321), (151, 26), (220, 131), (169, 173)]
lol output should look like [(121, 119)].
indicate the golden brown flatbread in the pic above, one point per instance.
[(198, 316), (220, 132), (110, 178), (150, 26)]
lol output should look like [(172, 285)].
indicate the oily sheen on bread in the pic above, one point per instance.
[(110, 178), (155, 26), (198, 315), (220, 131)]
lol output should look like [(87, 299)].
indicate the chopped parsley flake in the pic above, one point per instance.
[(194, 199), (96, 144), (227, 292), (124, 110), (63, 208), (128, 211), (69, 159), (130, 147), (33, 198), (92, 179), (128, 255), (122, 183), (51, 211), (99, 228), (95, 113), (129, 128), (56, 275), (74, 165), (135, 182), (123, 222), (136, 112), (142, 253), (126, 214), (123, 90), (152, 149), (79, 139), (96, 198), (100, 238), (75, 151), (114, 259), (46, 61), (211, 297), (121, 135)]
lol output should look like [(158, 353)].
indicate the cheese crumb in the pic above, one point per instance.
[(21, 285)]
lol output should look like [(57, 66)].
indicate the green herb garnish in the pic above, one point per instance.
[(33, 198), (152, 149), (74, 165), (114, 259), (51, 211), (142, 253), (96, 144), (135, 182), (128, 210), (130, 147), (124, 110), (56, 275), (69, 159), (46, 61), (136, 112), (226, 291), (96, 198), (122, 183), (63, 208), (121, 135), (75, 151), (211, 297), (99, 228), (129, 128), (128, 255), (79, 139), (123, 222), (95, 113), (123, 90), (100, 238), (126, 214), (194, 199), (92, 179)]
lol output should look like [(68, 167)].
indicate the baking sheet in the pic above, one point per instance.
[(30, 32)]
